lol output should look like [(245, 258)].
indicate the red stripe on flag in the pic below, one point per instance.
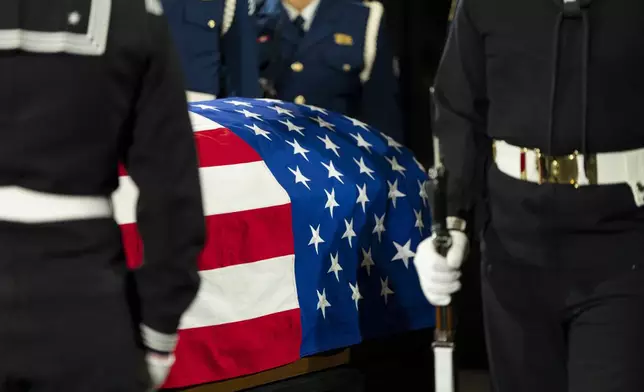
[(231, 239), (231, 350), (219, 147), (132, 244), (247, 236)]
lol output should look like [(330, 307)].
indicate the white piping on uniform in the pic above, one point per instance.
[(229, 15), (376, 10), (92, 43)]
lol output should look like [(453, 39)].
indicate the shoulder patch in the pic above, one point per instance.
[(154, 7)]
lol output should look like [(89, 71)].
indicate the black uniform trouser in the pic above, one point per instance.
[(66, 322), (91, 349), (71, 348), (564, 329)]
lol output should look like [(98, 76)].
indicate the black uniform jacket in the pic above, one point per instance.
[(85, 85), (536, 75)]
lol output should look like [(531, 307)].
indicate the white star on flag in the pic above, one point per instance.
[(333, 173), (297, 149), (281, 110), (380, 226), (349, 233), (292, 127), (238, 103), (329, 145), (395, 166), (330, 201), (269, 100), (423, 192), (315, 238), (394, 193), (355, 293), (335, 266), (358, 123), (391, 142), (316, 109), (299, 177), (323, 124), (361, 142), (363, 167), (259, 131), (385, 291), (248, 114), (362, 197), (419, 221), (367, 261), (323, 303), (206, 107), (404, 253)]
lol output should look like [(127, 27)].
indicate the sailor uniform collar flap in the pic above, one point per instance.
[(77, 27), (45, 16)]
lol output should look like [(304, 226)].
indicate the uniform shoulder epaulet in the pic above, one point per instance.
[(376, 11), (229, 15), (154, 7)]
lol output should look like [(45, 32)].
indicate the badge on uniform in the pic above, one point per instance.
[(343, 39)]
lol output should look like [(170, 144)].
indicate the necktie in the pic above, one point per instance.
[(299, 24)]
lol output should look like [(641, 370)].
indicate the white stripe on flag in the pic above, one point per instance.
[(243, 292), (225, 189), (201, 123)]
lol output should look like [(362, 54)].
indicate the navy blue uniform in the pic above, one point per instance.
[(342, 63), (216, 41)]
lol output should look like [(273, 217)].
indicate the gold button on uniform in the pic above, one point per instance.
[(300, 100), (297, 66), (346, 68), (212, 24)]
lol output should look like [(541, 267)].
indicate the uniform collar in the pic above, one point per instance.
[(308, 13)]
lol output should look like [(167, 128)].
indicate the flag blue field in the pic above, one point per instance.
[(359, 212), (313, 219)]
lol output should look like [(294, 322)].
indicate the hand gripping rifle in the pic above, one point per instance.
[(443, 346)]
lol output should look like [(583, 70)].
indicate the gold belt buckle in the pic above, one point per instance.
[(558, 169)]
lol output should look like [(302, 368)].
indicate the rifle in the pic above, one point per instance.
[(443, 345)]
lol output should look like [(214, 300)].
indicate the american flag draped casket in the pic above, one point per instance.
[(313, 219)]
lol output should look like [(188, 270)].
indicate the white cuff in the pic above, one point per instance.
[(454, 223), (158, 341)]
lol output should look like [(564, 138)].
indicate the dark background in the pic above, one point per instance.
[(418, 31)]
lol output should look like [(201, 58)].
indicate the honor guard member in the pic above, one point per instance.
[(332, 54), (216, 40), (539, 115), (84, 85)]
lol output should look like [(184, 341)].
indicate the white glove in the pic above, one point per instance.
[(439, 276), (159, 366)]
